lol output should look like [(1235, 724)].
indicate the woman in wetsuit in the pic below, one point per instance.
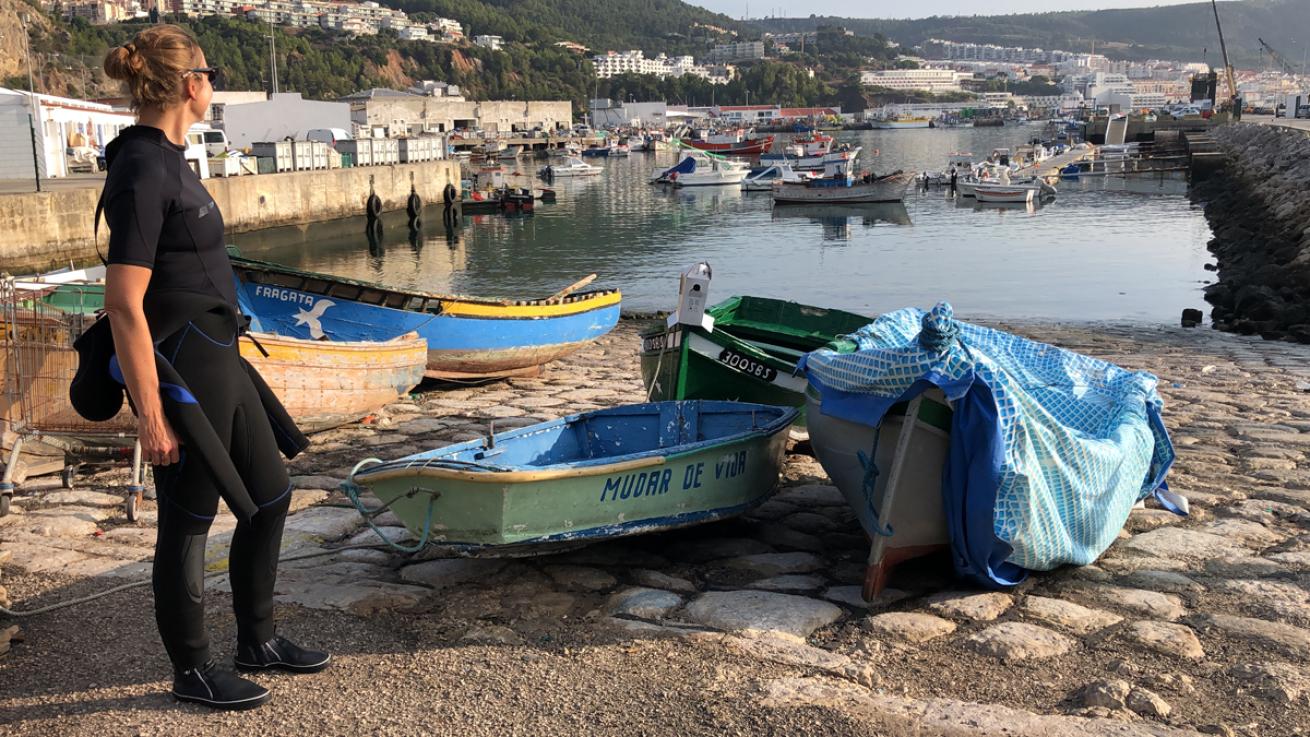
[(166, 249)]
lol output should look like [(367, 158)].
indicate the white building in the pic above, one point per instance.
[(738, 51), (62, 124), (607, 113), (614, 63), (280, 116), (924, 80), (489, 42)]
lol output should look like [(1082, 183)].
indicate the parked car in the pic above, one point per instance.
[(330, 136)]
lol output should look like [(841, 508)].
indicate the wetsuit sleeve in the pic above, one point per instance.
[(135, 216)]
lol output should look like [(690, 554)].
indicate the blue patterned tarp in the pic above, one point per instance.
[(1049, 449)]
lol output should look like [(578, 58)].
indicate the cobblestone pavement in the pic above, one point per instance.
[(1199, 623)]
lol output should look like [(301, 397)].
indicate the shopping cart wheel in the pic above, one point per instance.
[(133, 503), (67, 475)]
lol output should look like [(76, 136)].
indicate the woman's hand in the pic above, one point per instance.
[(159, 446)]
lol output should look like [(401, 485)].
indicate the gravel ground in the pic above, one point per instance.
[(747, 626)]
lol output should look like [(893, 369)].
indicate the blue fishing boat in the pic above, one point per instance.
[(609, 473), (468, 337)]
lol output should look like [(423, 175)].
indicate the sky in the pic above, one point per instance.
[(917, 9)]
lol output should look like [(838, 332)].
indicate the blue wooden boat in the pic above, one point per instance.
[(468, 337), (609, 473)]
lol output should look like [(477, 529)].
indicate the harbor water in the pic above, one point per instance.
[(1104, 250)]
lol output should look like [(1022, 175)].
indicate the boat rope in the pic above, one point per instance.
[(939, 329), (147, 581), (870, 482), (352, 492), (655, 377)]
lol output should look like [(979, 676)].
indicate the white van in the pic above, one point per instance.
[(197, 151), (330, 136), (214, 140)]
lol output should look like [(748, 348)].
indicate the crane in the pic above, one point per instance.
[(1229, 76), (1278, 58)]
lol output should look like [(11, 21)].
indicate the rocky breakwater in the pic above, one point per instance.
[(1259, 210)]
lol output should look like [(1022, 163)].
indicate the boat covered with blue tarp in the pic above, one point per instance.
[(1049, 449)]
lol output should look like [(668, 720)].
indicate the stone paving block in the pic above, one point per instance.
[(1278, 636), (1166, 638), (812, 495), (853, 596), (324, 523), (643, 602), (762, 611), (1012, 641), (78, 498), (581, 578), (915, 627), (788, 583), (1170, 582), (775, 564), (983, 607), (1175, 543), (1140, 601), (659, 580), (1246, 532), (30, 558), (446, 573), (1073, 617)]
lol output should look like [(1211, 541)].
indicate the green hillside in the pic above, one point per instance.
[(1181, 32), (668, 26)]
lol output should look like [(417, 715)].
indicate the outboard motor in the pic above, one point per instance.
[(693, 295)]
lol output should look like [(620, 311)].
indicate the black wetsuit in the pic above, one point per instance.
[(161, 217)]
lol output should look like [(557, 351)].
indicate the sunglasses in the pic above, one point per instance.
[(211, 72)]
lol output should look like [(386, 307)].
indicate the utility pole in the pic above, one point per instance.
[(272, 47), (34, 109)]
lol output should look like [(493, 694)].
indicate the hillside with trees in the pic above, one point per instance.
[(1183, 32)]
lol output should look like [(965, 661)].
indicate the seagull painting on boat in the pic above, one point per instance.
[(312, 317)]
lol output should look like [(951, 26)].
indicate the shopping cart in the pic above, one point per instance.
[(38, 324)]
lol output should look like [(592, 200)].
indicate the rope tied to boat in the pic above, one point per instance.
[(939, 328), (353, 491), (869, 484)]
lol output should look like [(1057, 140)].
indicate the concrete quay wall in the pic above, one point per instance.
[(1259, 211), (41, 230)]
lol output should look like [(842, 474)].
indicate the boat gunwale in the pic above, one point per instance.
[(581, 298), (617, 464), (725, 311), (404, 342)]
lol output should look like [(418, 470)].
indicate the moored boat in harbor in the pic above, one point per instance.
[(698, 169), (737, 142), (609, 473), (572, 167)]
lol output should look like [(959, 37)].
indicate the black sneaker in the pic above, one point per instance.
[(281, 654), (218, 687)]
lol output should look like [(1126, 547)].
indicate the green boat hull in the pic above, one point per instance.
[(669, 492), (750, 356)]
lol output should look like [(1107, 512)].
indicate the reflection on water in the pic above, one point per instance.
[(838, 220), (1104, 249)]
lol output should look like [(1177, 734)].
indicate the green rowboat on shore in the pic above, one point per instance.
[(749, 356), (607, 473)]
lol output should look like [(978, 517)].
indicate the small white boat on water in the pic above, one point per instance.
[(841, 184), (697, 169), (1013, 192), (572, 167), (763, 178), (510, 152)]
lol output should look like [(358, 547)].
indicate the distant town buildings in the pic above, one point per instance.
[(355, 18), (614, 63), (495, 43)]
